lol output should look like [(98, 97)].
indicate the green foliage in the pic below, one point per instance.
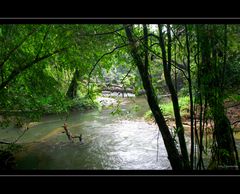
[(117, 111), (38, 61), (135, 108), (30, 87), (148, 115), (183, 105), (82, 104), (234, 97), (167, 108), (232, 79)]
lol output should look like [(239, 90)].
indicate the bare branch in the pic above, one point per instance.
[(235, 122), (233, 105), (95, 65), (21, 135), (177, 38), (126, 74), (180, 67), (156, 43), (124, 88), (122, 37), (3, 142)]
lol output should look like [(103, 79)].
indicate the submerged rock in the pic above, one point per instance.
[(104, 101)]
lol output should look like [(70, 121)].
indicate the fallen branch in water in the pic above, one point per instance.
[(69, 134), (233, 105), (21, 135), (3, 142), (235, 122)]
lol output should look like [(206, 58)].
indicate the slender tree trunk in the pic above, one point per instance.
[(175, 69), (190, 95), (202, 111), (72, 90), (167, 75), (173, 155)]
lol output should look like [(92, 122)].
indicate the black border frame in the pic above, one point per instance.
[(108, 175)]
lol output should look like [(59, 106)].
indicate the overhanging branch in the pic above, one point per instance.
[(16, 72), (95, 65), (103, 33), (180, 67), (7, 56)]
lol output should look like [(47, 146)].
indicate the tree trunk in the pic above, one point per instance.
[(167, 75), (211, 76), (173, 155), (190, 95), (72, 90), (223, 135)]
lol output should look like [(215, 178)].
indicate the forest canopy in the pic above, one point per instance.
[(58, 68)]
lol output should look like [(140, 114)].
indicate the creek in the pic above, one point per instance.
[(110, 141)]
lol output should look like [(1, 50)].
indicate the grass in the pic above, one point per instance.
[(235, 97), (167, 108)]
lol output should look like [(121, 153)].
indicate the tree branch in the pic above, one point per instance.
[(16, 47), (126, 74), (16, 72), (44, 38), (20, 135), (235, 122), (3, 142), (177, 38), (122, 37), (103, 33), (178, 66), (95, 65), (233, 105)]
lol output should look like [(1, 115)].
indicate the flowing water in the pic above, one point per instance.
[(120, 141), (110, 140)]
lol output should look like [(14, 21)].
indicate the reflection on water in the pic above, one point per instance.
[(110, 142)]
